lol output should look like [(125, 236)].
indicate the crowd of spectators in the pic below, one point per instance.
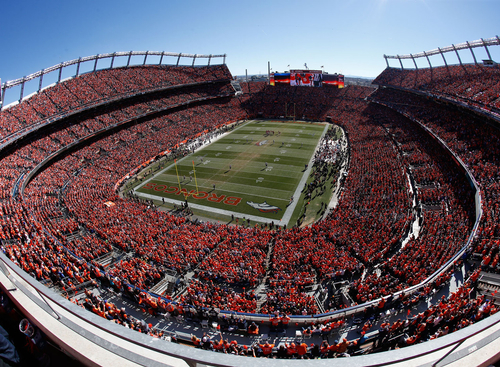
[(475, 141), (97, 87), (70, 216), (474, 84), (446, 315), (311, 250), (234, 263)]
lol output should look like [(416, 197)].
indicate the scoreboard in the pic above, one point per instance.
[(333, 79), (307, 78)]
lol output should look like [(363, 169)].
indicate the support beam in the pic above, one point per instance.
[(40, 81), (112, 60), (472, 52), (21, 94), (414, 62), (95, 63), (129, 57), (458, 56), (428, 60), (486, 48), (78, 66), (60, 73), (3, 94), (444, 58)]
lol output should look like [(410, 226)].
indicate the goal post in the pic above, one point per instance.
[(286, 110)]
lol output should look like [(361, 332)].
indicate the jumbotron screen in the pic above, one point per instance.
[(307, 78)]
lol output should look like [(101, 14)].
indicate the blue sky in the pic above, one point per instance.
[(348, 36)]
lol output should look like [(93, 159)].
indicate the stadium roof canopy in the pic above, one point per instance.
[(453, 48)]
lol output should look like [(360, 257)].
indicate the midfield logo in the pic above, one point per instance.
[(264, 207)]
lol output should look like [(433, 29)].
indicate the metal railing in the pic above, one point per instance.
[(494, 41), (95, 58)]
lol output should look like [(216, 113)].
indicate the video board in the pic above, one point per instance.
[(334, 80), (307, 78), (281, 78)]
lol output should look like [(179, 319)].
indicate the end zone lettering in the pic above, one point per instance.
[(228, 200)]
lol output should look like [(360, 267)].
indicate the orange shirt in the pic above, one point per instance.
[(275, 321), (267, 348), (302, 349), (291, 349)]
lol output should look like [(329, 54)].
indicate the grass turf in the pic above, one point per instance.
[(259, 162)]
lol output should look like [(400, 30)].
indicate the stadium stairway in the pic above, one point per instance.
[(73, 236), (320, 296), (237, 87), (166, 284), (261, 290), (261, 294), (111, 258), (489, 283)]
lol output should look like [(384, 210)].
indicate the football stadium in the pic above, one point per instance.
[(156, 210)]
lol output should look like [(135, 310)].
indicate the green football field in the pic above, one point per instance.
[(251, 172)]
